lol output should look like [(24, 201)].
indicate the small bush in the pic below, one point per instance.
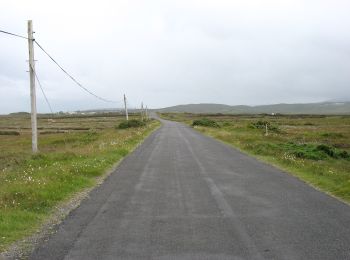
[(305, 151), (332, 152), (259, 124), (344, 155), (9, 133), (312, 152), (205, 122), (327, 150), (131, 123)]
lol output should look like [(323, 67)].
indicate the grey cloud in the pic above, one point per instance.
[(171, 52)]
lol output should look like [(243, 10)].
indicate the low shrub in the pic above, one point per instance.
[(327, 150), (131, 123), (312, 152), (344, 155), (205, 122), (305, 151), (259, 124)]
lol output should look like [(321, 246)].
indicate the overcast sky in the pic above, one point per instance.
[(176, 52)]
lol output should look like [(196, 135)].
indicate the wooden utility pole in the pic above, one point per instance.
[(32, 88), (126, 109), (147, 113)]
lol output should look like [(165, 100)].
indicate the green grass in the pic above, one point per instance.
[(314, 148), (32, 185)]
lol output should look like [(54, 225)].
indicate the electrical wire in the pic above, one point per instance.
[(42, 90), (69, 75), (13, 34), (73, 79)]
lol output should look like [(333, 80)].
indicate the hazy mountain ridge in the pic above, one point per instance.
[(302, 108)]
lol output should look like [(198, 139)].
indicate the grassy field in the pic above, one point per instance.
[(73, 152), (314, 148)]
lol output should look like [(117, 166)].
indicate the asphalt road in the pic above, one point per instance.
[(182, 195)]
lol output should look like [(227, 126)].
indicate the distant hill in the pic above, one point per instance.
[(198, 108), (326, 108)]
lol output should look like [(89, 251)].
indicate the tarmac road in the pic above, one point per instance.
[(182, 195)]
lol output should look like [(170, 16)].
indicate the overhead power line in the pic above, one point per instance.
[(74, 80), (42, 90), (69, 75), (13, 34)]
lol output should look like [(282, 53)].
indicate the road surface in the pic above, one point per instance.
[(182, 195)]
